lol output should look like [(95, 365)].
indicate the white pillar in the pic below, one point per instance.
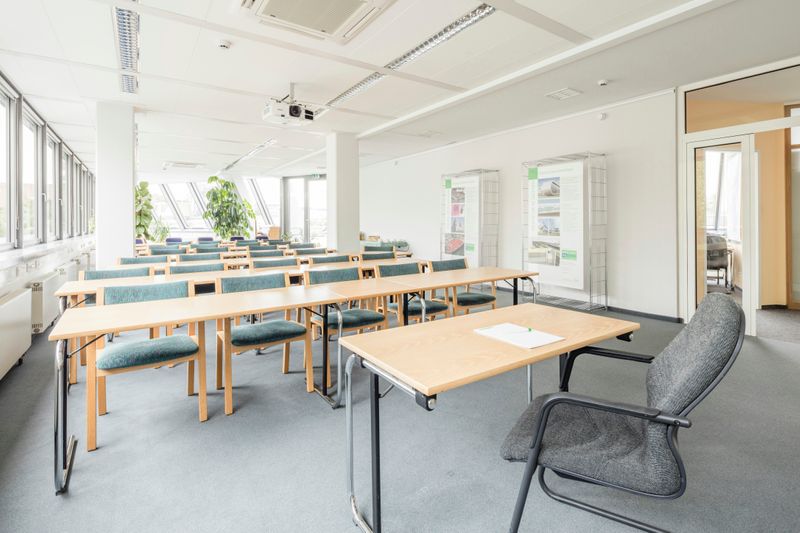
[(115, 183), (342, 168)]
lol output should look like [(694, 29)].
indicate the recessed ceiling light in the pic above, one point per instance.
[(445, 34), (563, 94)]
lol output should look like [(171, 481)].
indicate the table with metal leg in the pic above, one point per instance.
[(403, 356)]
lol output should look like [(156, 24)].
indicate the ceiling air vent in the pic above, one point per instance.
[(563, 94), (180, 165), (337, 21)]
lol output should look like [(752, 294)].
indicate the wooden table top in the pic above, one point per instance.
[(437, 356), (96, 320), (455, 278), (366, 288)]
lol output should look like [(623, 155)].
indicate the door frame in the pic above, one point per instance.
[(749, 222)]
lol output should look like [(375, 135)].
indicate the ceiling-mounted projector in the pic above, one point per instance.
[(285, 113)]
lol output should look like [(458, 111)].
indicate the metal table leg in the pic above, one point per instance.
[(529, 371), (375, 440), (515, 283), (64, 447), (323, 390)]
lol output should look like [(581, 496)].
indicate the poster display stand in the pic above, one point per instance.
[(564, 233), (471, 216)]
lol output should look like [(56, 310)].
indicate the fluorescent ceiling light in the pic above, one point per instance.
[(127, 30), (563, 94), (445, 34), (251, 153)]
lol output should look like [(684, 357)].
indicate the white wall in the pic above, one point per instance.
[(400, 199)]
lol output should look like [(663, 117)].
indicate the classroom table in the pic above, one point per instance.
[(430, 358)]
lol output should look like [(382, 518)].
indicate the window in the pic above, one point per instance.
[(268, 193), (318, 211), (63, 200), (296, 208), (5, 151), (163, 210), (50, 189), (723, 193), (188, 205), (73, 197), (30, 164)]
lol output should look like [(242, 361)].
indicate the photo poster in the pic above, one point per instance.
[(555, 246), (461, 230)]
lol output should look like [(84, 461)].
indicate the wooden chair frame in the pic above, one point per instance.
[(96, 378), (451, 293), (226, 350)]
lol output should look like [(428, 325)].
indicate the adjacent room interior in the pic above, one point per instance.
[(375, 265)]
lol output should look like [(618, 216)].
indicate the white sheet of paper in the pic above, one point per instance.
[(518, 335)]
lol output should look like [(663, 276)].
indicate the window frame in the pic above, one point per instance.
[(51, 204), (8, 101), (29, 116)]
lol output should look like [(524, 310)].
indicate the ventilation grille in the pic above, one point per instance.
[(127, 31), (563, 94)]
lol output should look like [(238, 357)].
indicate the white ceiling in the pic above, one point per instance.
[(198, 103)]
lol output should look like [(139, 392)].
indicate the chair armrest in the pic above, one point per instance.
[(566, 370)]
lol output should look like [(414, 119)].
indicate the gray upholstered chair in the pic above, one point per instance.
[(625, 446), (371, 256), (267, 264), (262, 247), (143, 260), (238, 338), (266, 253), (327, 259), (467, 299), (198, 257), (717, 253), (299, 245), (156, 351), (433, 308), (310, 251)]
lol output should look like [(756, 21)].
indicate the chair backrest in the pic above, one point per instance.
[(253, 283), (173, 240), (263, 247), (211, 249), (198, 257), (379, 247), (185, 269), (237, 238), (316, 277), (367, 256), (115, 273), (142, 293), (698, 357), (403, 269), (204, 244), (310, 251), (329, 259), (174, 247), (246, 242), (166, 251), (277, 241), (143, 259), (205, 239), (298, 245), (266, 253), (448, 264), (139, 241), (716, 246), (274, 263)]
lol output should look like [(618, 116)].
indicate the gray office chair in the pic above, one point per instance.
[(717, 255), (623, 446)]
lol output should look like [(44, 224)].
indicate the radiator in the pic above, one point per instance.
[(15, 327), (69, 271), (44, 304)]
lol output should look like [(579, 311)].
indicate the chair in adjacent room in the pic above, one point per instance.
[(266, 253), (467, 299), (237, 338), (623, 446), (433, 308), (154, 352), (717, 256)]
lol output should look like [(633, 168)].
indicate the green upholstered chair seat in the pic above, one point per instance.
[(146, 352), (253, 283), (331, 276), (352, 318), (474, 298), (266, 332), (145, 293), (415, 307)]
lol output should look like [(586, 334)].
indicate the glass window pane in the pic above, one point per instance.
[(64, 199), (795, 112), (187, 204), (5, 235), (296, 201), (318, 211), (28, 182), (162, 209), (270, 189), (50, 192)]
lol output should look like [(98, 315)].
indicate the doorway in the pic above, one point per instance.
[(724, 224)]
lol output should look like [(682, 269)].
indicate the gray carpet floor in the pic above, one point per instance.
[(779, 324), (277, 464)]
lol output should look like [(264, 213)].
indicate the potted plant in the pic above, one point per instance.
[(143, 207), (228, 213)]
